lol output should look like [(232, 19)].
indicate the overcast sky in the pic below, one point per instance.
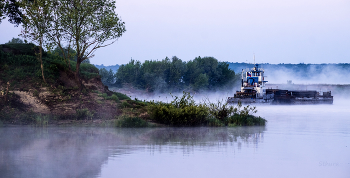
[(293, 31)]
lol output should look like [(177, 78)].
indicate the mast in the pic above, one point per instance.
[(254, 59)]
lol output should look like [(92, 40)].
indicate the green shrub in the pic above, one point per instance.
[(246, 120), (215, 122), (84, 114), (121, 96), (220, 110), (127, 121), (125, 104), (115, 98), (41, 120), (180, 112), (89, 68), (185, 112), (104, 95), (136, 104), (23, 48), (22, 64)]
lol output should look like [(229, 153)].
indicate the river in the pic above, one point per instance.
[(298, 141)]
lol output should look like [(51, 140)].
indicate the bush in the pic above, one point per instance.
[(215, 122), (84, 114), (185, 112), (127, 121), (241, 120), (121, 96), (21, 65), (88, 71), (180, 112), (41, 120), (115, 98), (125, 104)]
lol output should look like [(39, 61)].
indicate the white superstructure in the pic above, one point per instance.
[(253, 82)]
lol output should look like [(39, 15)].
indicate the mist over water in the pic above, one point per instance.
[(298, 141), (319, 77), (326, 75), (83, 151)]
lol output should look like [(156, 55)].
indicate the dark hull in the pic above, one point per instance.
[(277, 96)]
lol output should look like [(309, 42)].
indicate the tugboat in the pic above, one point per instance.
[(253, 90)]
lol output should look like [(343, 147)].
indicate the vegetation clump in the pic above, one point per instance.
[(84, 114), (180, 112), (185, 112), (131, 121), (173, 75)]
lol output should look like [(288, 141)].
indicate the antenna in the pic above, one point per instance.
[(254, 59)]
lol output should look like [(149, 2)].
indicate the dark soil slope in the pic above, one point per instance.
[(24, 95)]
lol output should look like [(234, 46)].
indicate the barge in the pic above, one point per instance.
[(253, 90)]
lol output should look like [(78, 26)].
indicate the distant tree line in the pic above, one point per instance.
[(169, 75), (113, 67), (107, 77)]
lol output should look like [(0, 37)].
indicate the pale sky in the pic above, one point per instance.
[(294, 31)]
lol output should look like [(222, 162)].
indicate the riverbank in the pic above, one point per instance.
[(182, 111), (25, 99)]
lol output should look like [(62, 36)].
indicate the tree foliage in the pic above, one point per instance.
[(15, 41), (175, 75), (11, 9), (85, 26), (107, 77), (36, 23), (76, 27), (69, 52)]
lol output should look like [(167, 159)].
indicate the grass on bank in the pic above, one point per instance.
[(22, 68)]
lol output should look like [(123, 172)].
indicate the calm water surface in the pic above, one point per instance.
[(298, 141)]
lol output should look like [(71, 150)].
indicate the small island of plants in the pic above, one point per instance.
[(183, 111)]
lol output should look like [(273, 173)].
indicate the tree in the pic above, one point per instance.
[(65, 52), (36, 23), (110, 77), (15, 41), (107, 77), (69, 53), (201, 82), (11, 9), (175, 72), (84, 25), (104, 75)]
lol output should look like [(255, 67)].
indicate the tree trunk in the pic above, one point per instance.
[(77, 76), (41, 59)]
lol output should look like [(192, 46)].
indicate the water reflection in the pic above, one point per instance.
[(80, 152), (204, 136)]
